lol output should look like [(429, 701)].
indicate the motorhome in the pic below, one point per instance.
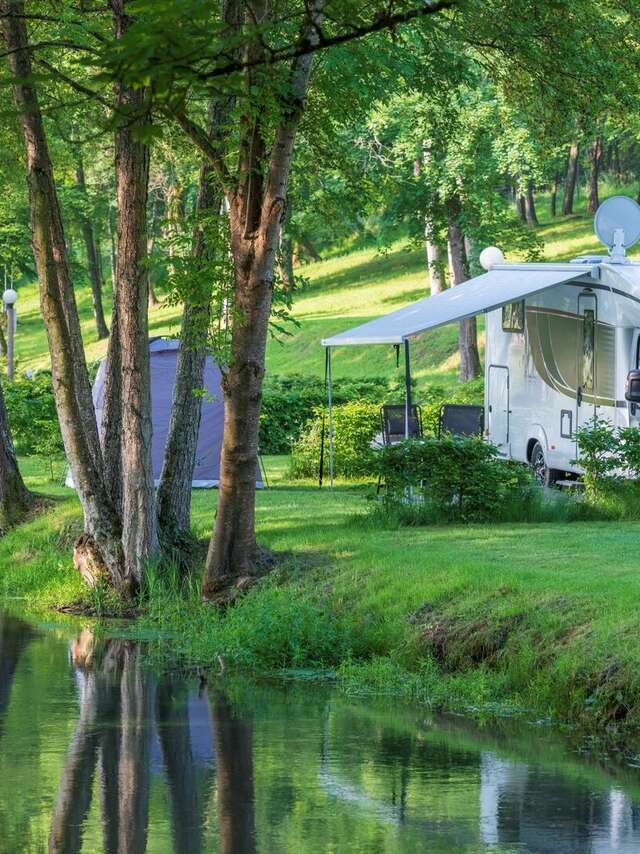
[(562, 343)]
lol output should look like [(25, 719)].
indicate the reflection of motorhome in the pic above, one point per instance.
[(559, 357)]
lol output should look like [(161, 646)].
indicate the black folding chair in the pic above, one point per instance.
[(461, 419), (394, 426)]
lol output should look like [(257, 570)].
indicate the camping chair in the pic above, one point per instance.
[(461, 419), (394, 428)]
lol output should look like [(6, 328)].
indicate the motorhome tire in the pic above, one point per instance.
[(542, 473)]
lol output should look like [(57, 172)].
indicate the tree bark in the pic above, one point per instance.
[(256, 209), (530, 205), (468, 335), (174, 490), (434, 261), (285, 263), (595, 157), (521, 209), (70, 378), (553, 200), (93, 261), (139, 522), (570, 179), (15, 498)]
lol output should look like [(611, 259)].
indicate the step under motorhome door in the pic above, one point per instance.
[(498, 400)]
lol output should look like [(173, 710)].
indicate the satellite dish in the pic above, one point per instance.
[(617, 224)]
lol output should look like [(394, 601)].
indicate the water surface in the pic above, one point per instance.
[(101, 751)]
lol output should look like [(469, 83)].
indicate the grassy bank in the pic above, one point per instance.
[(511, 617)]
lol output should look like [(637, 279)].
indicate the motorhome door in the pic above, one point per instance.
[(498, 399), (586, 374)]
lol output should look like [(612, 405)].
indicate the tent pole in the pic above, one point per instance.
[(407, 388), (330, 401)]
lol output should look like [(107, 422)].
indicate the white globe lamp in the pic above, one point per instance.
[(491, 256), (9, 296)]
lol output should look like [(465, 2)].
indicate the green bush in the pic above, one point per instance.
[(32, 416), (453, 479), (610, 457), (354, 427), (290, 403)]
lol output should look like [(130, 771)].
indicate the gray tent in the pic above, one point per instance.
[(163, 354)]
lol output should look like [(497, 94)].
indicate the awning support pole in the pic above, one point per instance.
[(330, 402), (407, 388)]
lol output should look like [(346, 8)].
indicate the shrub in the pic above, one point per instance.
[(598, 451), (610, 458), (453, 479), (290, 403), (354, 427), (32, 416)]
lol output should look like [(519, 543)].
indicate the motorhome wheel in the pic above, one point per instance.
[(542, 473)]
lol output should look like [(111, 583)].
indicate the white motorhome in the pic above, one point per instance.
[(561, 340), (557, 358)]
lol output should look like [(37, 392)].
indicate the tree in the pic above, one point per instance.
[(595, 158), (92, 248), (71, 385), (15, 498), (571, 177)]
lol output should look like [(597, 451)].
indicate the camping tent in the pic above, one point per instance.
[(163, 355)]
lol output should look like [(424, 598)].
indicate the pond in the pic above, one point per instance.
[(102, 751)]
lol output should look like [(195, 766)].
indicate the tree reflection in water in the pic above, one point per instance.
[(124, 706)]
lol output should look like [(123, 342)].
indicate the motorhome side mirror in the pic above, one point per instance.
[(632, 388)]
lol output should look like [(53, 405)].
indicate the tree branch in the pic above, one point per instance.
[(383, 21), (201, 140)]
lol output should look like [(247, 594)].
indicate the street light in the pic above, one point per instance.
[(9, 298)]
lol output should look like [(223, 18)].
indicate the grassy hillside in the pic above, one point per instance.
[(341, 292)]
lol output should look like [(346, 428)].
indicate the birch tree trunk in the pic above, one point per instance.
[(71, 386), (93, 261), (139, 523), (468, 334), (15, 498), (434, 261), (570, 179)]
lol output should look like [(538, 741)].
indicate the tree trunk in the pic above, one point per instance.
[(139, 523), (468, 335), (256, 209), (521, 208), (15, 637), (93, 260), (530, 206), (595, 157), (71, 385), (553, 201), (15, 498), (174, 490), (434, 261), (570, 179), (111, 427), (285, 264)]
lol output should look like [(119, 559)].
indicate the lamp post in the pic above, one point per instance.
[(9, 298)]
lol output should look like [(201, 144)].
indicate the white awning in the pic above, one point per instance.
[(503, 284)]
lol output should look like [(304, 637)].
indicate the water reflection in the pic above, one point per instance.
[(108, 754)]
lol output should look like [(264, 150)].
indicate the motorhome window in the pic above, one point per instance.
[(513, 317), (588, 348)]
